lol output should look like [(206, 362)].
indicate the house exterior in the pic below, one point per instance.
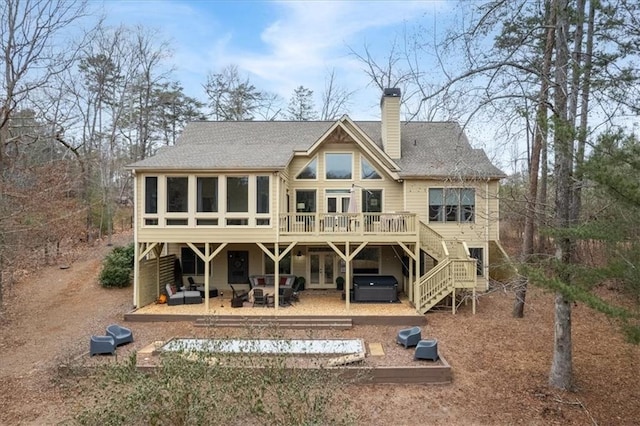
[(322, 200)]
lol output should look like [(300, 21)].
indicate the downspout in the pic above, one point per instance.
[(276, 278), (136, 250), (485, 264)]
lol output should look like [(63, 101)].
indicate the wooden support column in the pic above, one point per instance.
[(276, 257), (206, 276), (473, 302), (276, 278), (453, 301), (347, 257), (207, 257), (347, 274)]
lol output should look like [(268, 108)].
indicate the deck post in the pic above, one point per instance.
[(347, 274), (276, 277), (473, 302), (453, 301), (207, 253)]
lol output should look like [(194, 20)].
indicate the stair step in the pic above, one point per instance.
[(290, 323)]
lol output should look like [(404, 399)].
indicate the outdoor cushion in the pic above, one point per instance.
[(183, 297)]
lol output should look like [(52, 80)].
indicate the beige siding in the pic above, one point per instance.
[(178, 234), (392, 190), (391, 126), (485, 226), (408, 196)]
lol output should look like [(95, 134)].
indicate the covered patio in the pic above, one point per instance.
[(320, 304)]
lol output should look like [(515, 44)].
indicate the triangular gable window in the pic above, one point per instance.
[(310, 171), (368, 172)]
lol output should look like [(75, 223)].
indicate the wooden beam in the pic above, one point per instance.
[(146, 251)]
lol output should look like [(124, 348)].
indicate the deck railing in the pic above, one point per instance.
[(440, 281), (433, 242), (348, 223)]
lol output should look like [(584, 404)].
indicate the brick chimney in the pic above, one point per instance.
[(390, 106)]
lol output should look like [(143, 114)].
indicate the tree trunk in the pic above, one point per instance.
[(561, 368), (584, 113), (540, 136), (561, 375)]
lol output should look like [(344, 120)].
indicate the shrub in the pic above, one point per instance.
[(117, 267), (203, 388)]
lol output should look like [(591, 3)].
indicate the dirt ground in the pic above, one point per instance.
[(500, 365)]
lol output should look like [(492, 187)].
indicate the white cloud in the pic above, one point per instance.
[(297, 45), (310, 38)]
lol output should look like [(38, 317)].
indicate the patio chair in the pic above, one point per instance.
[(102, 345), (242, 295), (192, 283), (120, 334), (427, 349), (409, 336), (296, 289), (260, 298), (286, 296)]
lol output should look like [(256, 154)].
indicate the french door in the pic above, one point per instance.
[(321, 270)]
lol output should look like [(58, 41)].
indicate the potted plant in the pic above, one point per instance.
[(340, 283)]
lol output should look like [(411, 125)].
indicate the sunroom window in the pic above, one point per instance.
[(262, 194), (207, 194), (151, 194), (177, 194), (339, 166), (238, 194)]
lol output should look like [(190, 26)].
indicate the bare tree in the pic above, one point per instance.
[(391, 71), (31, 34), (233, 98), (539, 66), (335, 99)]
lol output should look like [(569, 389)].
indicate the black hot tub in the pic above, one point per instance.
[(375, 288)]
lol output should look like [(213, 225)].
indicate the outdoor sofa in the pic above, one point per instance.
[(187, 297)]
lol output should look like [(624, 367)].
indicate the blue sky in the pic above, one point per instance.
[(279, 45)]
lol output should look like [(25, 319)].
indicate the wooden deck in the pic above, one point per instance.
[(315, 307)]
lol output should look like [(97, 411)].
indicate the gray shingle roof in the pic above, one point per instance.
[(429, 149)]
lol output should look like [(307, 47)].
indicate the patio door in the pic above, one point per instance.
[(321, 270), (338, 202)]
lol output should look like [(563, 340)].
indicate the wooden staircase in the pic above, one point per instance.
[(284, 322), (455, 270)]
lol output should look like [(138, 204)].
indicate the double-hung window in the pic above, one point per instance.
[(452, 204), (192, 264)]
